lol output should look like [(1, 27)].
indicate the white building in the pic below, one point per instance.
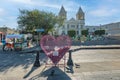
[(112, 29), (78, 25), (72, 24), (91, 29)]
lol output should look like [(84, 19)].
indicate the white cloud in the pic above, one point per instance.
[(34, 4), (46, 3), (69, 6), (23, 1), (9, 21), (2, 11), (1, 20), (103, 12), (105, 9)]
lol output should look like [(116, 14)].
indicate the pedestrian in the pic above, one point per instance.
[(4, 44)]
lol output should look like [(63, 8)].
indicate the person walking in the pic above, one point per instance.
[(4, 44)]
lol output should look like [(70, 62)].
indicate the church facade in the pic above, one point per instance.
[(73, 24), (78, 24)]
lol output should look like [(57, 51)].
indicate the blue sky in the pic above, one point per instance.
[(96, 11)]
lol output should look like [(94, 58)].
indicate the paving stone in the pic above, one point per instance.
[(94, 65)]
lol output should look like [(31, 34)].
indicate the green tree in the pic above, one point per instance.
[(84, 32), (29, 20), (71, 33), (99, 32)]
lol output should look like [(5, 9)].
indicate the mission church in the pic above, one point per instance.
[(75, 25)]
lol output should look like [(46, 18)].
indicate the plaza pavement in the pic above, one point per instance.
[(94, 64)]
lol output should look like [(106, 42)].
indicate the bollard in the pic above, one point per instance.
[(37, 62), (52, 72), (70, 61)]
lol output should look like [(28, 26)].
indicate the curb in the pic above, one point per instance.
[(92, 48)]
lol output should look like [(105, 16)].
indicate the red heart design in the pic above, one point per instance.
[(55, 48)]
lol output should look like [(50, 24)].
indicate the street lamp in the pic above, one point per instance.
[(37, 62), (70, 61)]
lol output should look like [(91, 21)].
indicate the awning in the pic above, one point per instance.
[(14, 36)]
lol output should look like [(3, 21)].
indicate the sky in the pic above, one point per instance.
[(97, 12)]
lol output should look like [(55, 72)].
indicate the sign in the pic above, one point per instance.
[(55, 48), (19, 36), (39, 30), (55, 53)]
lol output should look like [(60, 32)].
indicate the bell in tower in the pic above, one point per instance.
[(62, 13), (80, 14)]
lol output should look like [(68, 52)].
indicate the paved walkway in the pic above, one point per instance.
[(88, 65), (97, 64)]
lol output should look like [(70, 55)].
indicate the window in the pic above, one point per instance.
[(81, 26), (106, 27), (63, 26), (119, 25), (72, 26), (63, 32), (78, 32), (77, 26), (68, 26), (87, 28)]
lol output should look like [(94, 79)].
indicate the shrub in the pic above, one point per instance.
[(72, 33)]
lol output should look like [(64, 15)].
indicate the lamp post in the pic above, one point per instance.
[(37, 62), (70, 61), (39, 33)]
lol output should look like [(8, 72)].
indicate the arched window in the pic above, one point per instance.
[(77, 26), (63, 32), (67, 26)]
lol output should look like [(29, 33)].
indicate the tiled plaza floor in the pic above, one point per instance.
[(93, 65)]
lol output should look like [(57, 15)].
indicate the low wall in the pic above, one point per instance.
[(97, 42)]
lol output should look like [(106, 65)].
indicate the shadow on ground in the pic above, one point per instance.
[(11, 59), (53, 73), (32, 69)]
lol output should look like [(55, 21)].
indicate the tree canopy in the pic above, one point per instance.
[(71, 33), (84, 32), (99, 32), (29, 20)]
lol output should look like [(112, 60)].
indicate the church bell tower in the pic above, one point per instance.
[(63, 13), (80, 14)]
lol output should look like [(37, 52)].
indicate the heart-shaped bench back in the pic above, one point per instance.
[(55, 48)]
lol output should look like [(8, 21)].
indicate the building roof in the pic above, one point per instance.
[(62, 10), (72, 19), (80, 11)]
